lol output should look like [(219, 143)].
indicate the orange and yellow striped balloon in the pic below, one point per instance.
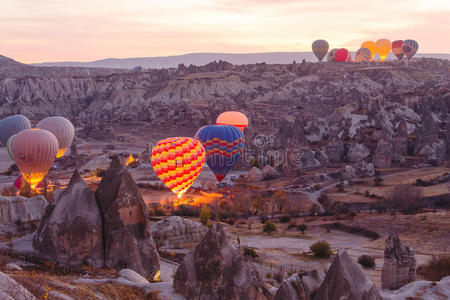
[(384, 47), (363, 55), (178, 161)]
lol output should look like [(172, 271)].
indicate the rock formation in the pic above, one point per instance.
[(216, 270), (334, 148), (300, 286), (269, 172), (127, 238), (346, 280), (255, 175), (11, 290), (383, 153), (399, 266), (174, 232), (71, 229), (357, 153), (17, 209)]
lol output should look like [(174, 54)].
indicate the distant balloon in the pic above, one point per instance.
[(12, 125), (224, 145), (178, 161), (320, 48), (372, 46), (363, 55), (330, 56), (8, 146), (234, 118), (62, 129), (397, 49), (384, 47), (410, 48), (34, 151), (342, 55)]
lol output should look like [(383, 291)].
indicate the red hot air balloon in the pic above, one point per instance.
[(397, 49), (342, 55)]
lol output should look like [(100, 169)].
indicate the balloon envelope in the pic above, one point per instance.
[(178, 161), (234, 118), (224, 145), (330, 55), (397, 49), (62, 129), (320, 48), (342, 55), (372, 46), (410, 48), (34, 151), (363, 55), (12, 125), (8, 146), (384, 46)]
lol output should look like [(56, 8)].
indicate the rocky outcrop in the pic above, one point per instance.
[(383, 154), (17, 210), (255, 175), (399, 266), (420, 290), (269, 172), (300, 286), (11, 290), (357, 153), (216, 270), (334, 148), (127, 237), (303, 159), (174, 232), (346, 280), (71, 229)]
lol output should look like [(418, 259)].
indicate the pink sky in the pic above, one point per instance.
[(84, 30)]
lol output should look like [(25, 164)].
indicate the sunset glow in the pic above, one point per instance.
[(80, 30)]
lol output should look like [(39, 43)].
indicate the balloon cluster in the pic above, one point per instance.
[(35, 149), (367, 51), (178, 161)]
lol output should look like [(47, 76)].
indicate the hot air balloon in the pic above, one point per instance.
[(224, 145), (330, 56), (384, 46), (342, 55), (12, 125), (320, 49), (372, 46), (34, 151), (397, 49), (8, 146), (198, 130), (178, 161), (62, 129), (363, 55), (410, 48), (234, 118)]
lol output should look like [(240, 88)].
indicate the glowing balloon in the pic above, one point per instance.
[(8, 146), (330, 56), (178, 161), (342, 55), (62, 129), (34, 151), (224, 145), (372, 46), (320, 48), (363, 55), (397, 49), (410, 48), (12, 125), (234, 118), (384, 47)]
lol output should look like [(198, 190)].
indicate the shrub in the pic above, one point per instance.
[(185, 210), (321, 249), (302, 227), (285, 218), (404, 198), (205, 215), (436, 268), (278, 277), (269, 227), (352, 229), (366, 261), (250, 253), (292, 225), (378, 181), (263, 219), (268, 275)]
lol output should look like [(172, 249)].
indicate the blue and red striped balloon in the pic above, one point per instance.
[(224, 145)]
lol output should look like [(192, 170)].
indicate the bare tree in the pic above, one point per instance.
[(404, 198)]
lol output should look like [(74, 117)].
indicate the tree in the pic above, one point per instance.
[(302, 227), (269, 227), (280, 199), (367, 261), (404, 198), (205, 215), (257, 202)]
